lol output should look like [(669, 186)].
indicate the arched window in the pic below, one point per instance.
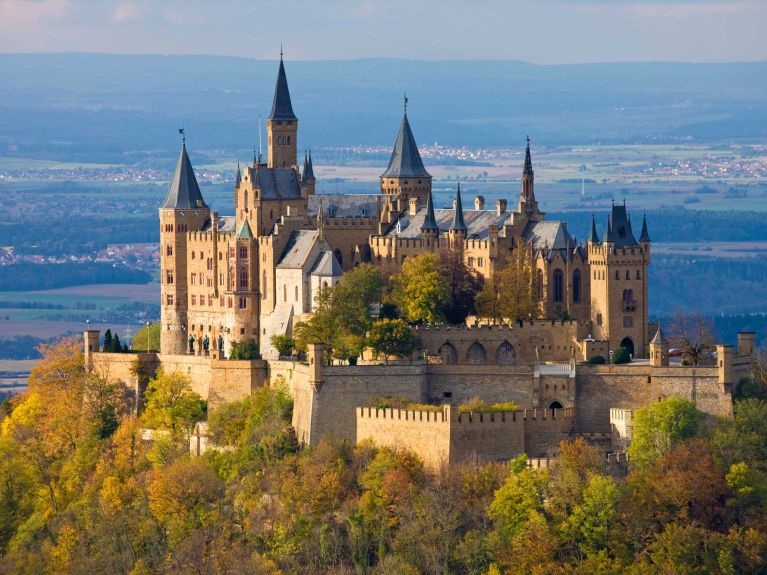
[(246, 199), (577, 286), (476, 354), (628, 275), (539, 285), (639, 276), (628, 295), (263, 295), (243, 278), (617, 275), (558, 286), (284, 292), (296, 293)]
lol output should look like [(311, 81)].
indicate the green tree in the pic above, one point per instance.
[(511, 294), (589, 525), (246, 349), (392, 337), (421, 290), (147, 337), (107, 340), (621, 355), (463, 285), (171, 404), (322, 327), (659, 427), (284, 344)]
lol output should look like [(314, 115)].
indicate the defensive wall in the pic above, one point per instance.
[(448, 436)]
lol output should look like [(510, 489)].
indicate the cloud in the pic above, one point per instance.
[(14, 13), (128, 12)]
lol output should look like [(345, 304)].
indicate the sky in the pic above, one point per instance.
[(538, 31)]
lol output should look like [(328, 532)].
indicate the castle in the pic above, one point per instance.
[(255, 274)]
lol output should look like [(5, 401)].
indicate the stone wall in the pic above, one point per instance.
[(449, 437)]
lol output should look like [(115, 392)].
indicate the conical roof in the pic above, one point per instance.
[(528, 169), (645, 236), (593, 237), (659, 337), (184, 192), (282, 108), (238, 178), (244, 233), (405, 161), (429, 222), (308, 173), (458, 222)]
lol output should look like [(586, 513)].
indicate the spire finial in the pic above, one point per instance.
[(528, 140), (405, 97), (183, 135), (280, 51)]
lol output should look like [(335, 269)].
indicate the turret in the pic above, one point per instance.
[(282, 125), (184, 210), (593, 236), (308, 181), (429, 228), (405, 176), (457, 231), (659, 349), (527, 202)]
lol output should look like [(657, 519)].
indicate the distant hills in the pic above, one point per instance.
[(95, 107)]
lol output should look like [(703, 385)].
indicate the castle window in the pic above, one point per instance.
[(201, 256), (617, 275), (599, 319), (221, 301), (243, 303), (194, 279), (539, 285), (263, 295), (202, 300), (169, 299), (471, 261), (210, 300), (210, 281), (480, 262), (194, 300), (243, 252), (638, 275), (220, 256), (288, 140), (192, 254), (246, 199), (243, 278), (628, 275), (169, 276), (577, 286), (169, 250), (229, 302), (558, 286), (221, 279), (296, 293), (284, 292), (209, 264)]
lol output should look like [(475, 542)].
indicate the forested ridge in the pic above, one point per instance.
[(81, 492)]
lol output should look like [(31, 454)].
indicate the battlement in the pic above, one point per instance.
[(347, 222), (502, 327), (421, 415)]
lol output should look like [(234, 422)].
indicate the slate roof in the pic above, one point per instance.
[(298, 248), (659, 337), (405, 161), (645, 236), (184, 192), (458, 221), (308, 172), (276, 183), (339, 205), (476, 221), (429, 222), (553, 235), (593, 237), (327, 265), (244, 233), (226, 224), (282, 108), (619, 228)]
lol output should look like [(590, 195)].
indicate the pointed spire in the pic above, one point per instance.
[(645, 236), (282, 108), (528, 169), (458, 223), (309, 168), (429, 222), (608, 236), (593, 237), (184, 192), (256, 159), (238, 178), (659, 337), (405, 161), (321, 221), (244, 233)]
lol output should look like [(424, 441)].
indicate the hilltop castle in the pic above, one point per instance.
[(255, 274), (252, 275)]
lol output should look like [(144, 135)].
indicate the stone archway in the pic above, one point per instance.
[(628, 343), (554, 405), (476, 354), (448, 353), (505, 354)]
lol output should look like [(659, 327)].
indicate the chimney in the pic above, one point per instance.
[(413, 205), (501, 206), (479, 202)]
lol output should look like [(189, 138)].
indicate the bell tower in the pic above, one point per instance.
[(282, 125)]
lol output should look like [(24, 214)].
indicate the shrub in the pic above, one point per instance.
[(247, 349), (597, 360), (284, 344), (621, 355), (476, 404)]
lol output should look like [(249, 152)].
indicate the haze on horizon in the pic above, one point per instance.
[(539, 31)]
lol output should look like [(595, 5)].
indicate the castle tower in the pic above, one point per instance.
[(618, 269), (405, 175), (457, 232), (429, 228), (308, 181), (659, 350), (282, 125), (527, 202), (183, 211)]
